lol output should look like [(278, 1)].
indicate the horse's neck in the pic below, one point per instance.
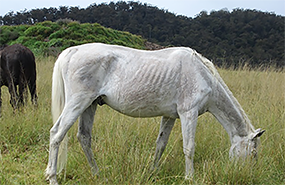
[(229, 113), (225, 107)]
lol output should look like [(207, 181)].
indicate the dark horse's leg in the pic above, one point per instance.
[(13, 92), (33, 89), (30, 77), (22, 89)]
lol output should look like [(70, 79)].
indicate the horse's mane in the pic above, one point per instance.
[(215, 73)]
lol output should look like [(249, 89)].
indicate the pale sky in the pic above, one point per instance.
[(189, 8)]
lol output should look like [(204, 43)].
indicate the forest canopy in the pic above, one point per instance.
[(227, 38)]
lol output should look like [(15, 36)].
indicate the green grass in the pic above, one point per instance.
[(124, 146), (49, 38)]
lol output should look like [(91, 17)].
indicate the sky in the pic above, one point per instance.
[(189, 8)]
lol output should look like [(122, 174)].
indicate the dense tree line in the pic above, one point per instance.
[(227, 38)]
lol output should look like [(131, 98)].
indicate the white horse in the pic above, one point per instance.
[(172, 83)]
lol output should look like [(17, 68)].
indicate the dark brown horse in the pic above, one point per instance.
[(18, 67)]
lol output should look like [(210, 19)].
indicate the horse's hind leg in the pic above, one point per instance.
[(14, 95), (22, 90), (84, 135), (166, 126), (33, 90), (73, 108)]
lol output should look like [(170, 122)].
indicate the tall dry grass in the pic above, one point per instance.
[(124, 146)]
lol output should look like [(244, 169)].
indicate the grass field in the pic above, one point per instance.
[(124, 146)]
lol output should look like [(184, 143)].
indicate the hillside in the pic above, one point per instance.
[(227, 38), (49, 38)]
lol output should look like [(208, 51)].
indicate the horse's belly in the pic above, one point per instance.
[(143, 89), (143, 107)]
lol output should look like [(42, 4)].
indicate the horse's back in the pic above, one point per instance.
[(16, 60), (134, 82), (16, 55)]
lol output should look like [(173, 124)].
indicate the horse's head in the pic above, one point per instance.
[(246, 146)]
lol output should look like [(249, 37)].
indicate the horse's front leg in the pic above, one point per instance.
[(188, 125), (166, 126)]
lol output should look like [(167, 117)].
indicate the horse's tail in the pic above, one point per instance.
[(57, 105)]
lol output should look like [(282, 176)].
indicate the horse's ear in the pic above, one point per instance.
[(257, 133)]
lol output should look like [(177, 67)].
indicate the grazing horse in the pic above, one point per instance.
[(172, 83), (18, 67)]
